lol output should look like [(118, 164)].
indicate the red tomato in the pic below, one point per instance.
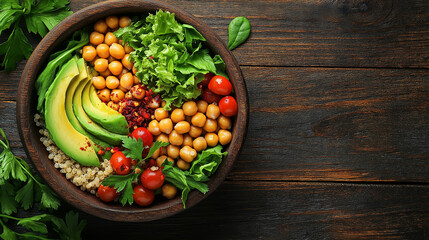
[(144, 134), (228, 106), (152, 178), (209, 96), (207, 77), (106, 193), (120, 163), (220, 85), (143, 196)]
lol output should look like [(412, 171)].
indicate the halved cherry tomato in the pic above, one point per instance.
[(209, 96), (120, 163), (144, 134), (220, 85), (228, 106), (143, 196), (152, 178), (106, 193), (207, 77)]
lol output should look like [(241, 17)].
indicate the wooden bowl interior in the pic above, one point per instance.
[(29, 132)]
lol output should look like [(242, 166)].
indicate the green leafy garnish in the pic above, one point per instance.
[(134, 150), (40, 16), (71, 228), (202, 168), (238, 32), (169, 56)]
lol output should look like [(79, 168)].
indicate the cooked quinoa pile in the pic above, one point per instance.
[(87, 178)]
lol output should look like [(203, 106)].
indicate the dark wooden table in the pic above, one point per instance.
[(338, 140)]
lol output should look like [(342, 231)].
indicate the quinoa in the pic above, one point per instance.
[(86, 178)]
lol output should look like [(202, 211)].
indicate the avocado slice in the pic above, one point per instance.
[(73, 143), (99, 144), (112, 121), (86, 122)]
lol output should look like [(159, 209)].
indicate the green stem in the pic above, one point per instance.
[(33, 236), (28, 172), (10, 217)]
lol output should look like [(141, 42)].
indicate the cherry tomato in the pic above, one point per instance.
[(209, 96), (120, 163), (143, 196), (207, 77), (220, 85), (152, 178), (228, 106), (107, 193), (144, 134)]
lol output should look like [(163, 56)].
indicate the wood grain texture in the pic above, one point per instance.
[(355, 33), (275, 210)]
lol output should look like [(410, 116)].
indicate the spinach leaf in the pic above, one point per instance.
[(238, 31)]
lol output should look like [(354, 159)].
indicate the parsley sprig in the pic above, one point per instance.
[(134, 150), (39, 16), (20, 188)]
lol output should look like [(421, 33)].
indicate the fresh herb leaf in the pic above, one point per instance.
[(238, 31), (206, 163), (8, 205), (156, 145), (15, 48), (122, 182), (7, 233), (25, 195), (71, 228), (49, 198), (9, 13), (35, 223), (134, 148)]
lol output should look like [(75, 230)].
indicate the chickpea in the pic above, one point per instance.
[(202, 106), (128, 49), (99, 82), (166, 126), (190, 108), (127, 81), (187, 153), (198, 120), (112, 82), (126, 62), (153, 127), (110, 38), (160, 114), (213, 111), (173, 151), (175, 138), (169, 191), (182, 127), (117, 95), (137, 80), (162, 138), (199, 144), (134, 70), (96, 38), (115, 67), (101, 64), (100, 26), (112, 22), (187, 140), (210, 126), (212, 139), (106, 73), (155, 154), (224, 136), (117, 51), (160, 160), (124, 21), (103, 50), (138, 92), (104, 95), (89, 53), (124, 71), (183, 165), (195, 131), (153, 104), (177, 115), (224, 122)]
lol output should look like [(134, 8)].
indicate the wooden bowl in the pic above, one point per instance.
[(29, 132)]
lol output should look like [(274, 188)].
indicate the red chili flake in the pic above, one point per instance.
[(89, 144), (108, 149), (151, 57), (89, 122), (81, 148), (115, 149), (100, 152)]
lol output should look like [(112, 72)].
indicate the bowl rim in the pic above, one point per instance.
[(31, 138)]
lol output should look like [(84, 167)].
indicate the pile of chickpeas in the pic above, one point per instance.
[(190, 129), (111, 59)]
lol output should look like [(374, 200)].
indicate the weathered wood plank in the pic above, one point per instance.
[(274, 210), (381, 33), (336, 124)]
